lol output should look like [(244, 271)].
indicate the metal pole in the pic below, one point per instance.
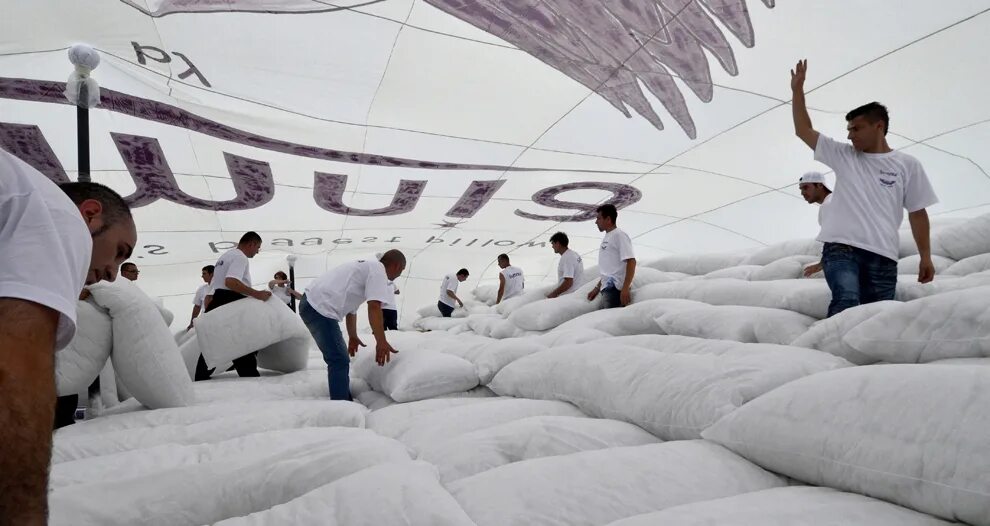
[(82, 134), (292, 285)]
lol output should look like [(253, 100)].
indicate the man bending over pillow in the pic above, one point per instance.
[(337, 295), (52, 243)]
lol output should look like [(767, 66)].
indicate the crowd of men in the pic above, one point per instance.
[(56, 239)]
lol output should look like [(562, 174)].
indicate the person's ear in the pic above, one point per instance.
[(91, 211)]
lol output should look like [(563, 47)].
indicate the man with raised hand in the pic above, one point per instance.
[(232, 282), (53, 241), (511, 281), (337, 295), (873, 186), (616, 261), (569, 268), (448, 292), (814, 191)]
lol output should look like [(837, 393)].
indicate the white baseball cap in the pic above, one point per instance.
[(813, 177)]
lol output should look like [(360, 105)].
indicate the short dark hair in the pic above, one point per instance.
[(249, 237), (463, 272), (873, 112), (114, 207), (608, 210), (209, 268), (284, 275), (393, 256), (503, 257), (559, 237), (128, 264)]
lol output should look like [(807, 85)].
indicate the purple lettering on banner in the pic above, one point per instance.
[(623, 195), (474, 198), (26, 142), (328, 191), (253, 183)]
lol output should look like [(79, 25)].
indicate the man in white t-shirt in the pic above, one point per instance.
[(231, 282), (54, 240), (280, 288), (336, 296), (814, 191), (616, 261), (511, 281), (569, 268), (390, 311), (448, 292), (201, 293), (873, 186)]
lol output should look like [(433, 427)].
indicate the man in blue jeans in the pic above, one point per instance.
[(338, 294), (616, 261), (873, 186)]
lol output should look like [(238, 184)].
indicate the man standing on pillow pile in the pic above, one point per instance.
[(616, 261), (232, 282), (569, 268), (448, 292), (511, 281), (873, 186), (53, 241), (814, 191), (336, 296), (199, 300)]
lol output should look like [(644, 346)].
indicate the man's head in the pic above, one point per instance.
[(250, 244), (503, 260), (558, 242), (130, 271), (207, 273), (605, 218), (394, 262), (867, 126), (462, 274), (282, 276), (813, 189), (110, 224)]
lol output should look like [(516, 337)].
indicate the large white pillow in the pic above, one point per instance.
[(695, 264), (559, 338), (791, 506), (827, 335), (808, 297), (549, 313), (674, 392), (245, 326), (948, 325), (784, 249), (970, 265), (909, 265), (145, 357), (395, 420), (597, 487), (494, 356), (439, 324), (742, 272), (286, 356), (963, 240), (737, 323), (416, 374), (791, 267), (78, 364), (915, 435)]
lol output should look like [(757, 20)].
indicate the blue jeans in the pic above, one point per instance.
[(611, 297), (330, 340), (445, 310), (856, 276)]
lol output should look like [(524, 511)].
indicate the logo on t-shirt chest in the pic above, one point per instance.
[(888, 179)]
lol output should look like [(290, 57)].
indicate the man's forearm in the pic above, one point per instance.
[(564, 287), (376, 320), (921, 230), (351, 324), (454, 296), (239, 287), (630, 274), (799, 109), (194, 314), (27, 388)]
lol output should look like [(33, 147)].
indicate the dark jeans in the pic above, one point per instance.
[(611, 297), (247, 365), (391, 318), (330, 340), (445, 310), (65, 410), (856, 276)]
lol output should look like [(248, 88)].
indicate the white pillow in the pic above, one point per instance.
[(915, 435), (791, 506), (549, 313), (429, 311), (78, 364), (827, 335), (909, 265), (791, 267), (286, 356), (808, 297), (494, 356), (948, 325), (439, 324), (695, 264), (416, 374), (738, 272), (970, 265), (145, 357), (963, 240), (512, 304), (737, 323), (600, 486), (245, 326), (395, 420), (560, 338), (909, 289), (778, 251)]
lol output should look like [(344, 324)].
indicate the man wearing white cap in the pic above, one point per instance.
[(814, 191)]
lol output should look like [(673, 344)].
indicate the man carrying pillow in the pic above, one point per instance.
[(814, 191), (873, 186), (336, 296), (52, 243)]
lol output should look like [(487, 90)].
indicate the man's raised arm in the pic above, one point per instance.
[(802, 121)]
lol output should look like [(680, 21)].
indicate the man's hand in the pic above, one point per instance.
[(625, 297), (84, 295), (262, 295), (812, 269), (190, 326), (352, 345), (552, 295), (461, 303), (798, 75), (593, 294), (926, 270), (383, 352)]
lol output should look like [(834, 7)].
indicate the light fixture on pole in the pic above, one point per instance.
[(291, 258), (83, 91)]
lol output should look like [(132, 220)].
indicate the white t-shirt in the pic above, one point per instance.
[(570, 266), (514, 282), (46, 246), (342, 290), (232, 264), (821, 208), (390, 304), (450, 282), (615, 249), (201, 293), (871, 192)]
